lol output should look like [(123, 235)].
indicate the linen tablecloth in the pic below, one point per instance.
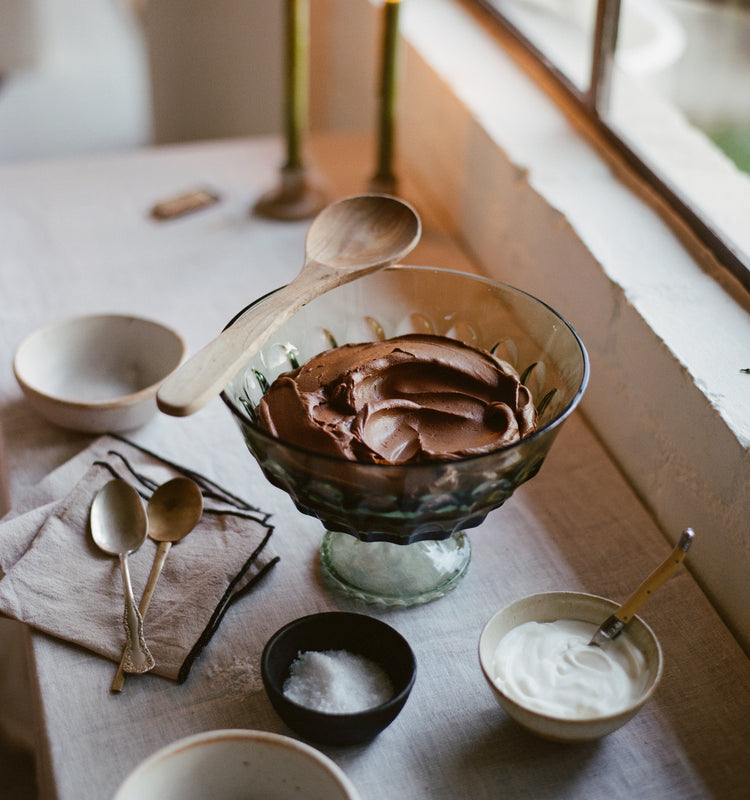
[(576, 525)]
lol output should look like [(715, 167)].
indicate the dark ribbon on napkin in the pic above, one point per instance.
[(115, 456), (212, 491)]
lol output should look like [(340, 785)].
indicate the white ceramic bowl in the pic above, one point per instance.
[(97, 373), (228, 764), (550, 606)]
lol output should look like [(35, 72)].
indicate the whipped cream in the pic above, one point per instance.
[(409, 399), (550, 668)]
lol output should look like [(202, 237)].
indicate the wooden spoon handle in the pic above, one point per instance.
[(156, 568), (632, 605), (206, 374)]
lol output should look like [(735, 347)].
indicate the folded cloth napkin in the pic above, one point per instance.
[(53, 577)]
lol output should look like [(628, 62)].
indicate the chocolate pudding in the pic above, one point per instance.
[(410, 399)]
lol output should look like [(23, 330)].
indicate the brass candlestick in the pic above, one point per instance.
[(296, 197), (384, 179)]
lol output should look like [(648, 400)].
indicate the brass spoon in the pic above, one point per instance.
[(118, 527), (173, 511), (613, 626), (348, 239)]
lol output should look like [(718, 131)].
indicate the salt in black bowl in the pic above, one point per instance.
[(358, 634)]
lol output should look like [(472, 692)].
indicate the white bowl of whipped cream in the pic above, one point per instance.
[(536, 657)]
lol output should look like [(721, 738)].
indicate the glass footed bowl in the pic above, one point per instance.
[(395, 533)]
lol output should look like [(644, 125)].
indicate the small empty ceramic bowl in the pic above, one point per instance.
[(356, 634), (549, 607), (227, 764), (97, 373)]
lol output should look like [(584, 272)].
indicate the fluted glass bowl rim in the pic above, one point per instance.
[(555, 422)]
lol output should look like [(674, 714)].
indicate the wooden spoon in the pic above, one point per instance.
[(174, 509), (348, 239)]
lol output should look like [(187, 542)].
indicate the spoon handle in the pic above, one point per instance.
[(613, 626), (207, 373), (632, 605), (137, 656), (156, 568)]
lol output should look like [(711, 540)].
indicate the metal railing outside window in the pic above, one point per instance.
[(693, 54)]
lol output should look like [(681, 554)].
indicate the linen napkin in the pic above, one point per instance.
[(54, 578)]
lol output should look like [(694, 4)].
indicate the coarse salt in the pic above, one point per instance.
[(337, 682)]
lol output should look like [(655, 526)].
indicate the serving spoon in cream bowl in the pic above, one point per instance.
[(348, 239), (613, 626), (118, 527)]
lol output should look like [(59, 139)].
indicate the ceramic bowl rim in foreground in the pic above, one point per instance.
[(196, 741), (546, 607)]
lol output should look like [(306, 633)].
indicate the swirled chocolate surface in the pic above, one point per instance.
[(408, 399)]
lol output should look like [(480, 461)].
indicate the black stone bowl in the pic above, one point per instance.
[(358, 634)]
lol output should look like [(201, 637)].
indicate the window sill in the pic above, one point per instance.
[(539, 207)]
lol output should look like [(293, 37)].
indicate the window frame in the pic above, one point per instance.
[(593, 105)]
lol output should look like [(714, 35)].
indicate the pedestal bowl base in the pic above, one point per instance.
[(389, 574)]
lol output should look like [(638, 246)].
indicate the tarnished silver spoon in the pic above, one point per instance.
[(118, 527), (175, 508)]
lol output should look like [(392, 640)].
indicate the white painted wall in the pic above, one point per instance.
[(73, 78), (218, 65), (80, 76)]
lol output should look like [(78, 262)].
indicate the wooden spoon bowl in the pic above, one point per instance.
[(348, 239)]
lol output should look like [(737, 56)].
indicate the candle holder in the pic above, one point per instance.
[(294, 198), (297, 197)]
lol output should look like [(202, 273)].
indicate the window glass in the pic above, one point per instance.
[(680, 74), (696, 55), (560, 29), (689, 60)]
